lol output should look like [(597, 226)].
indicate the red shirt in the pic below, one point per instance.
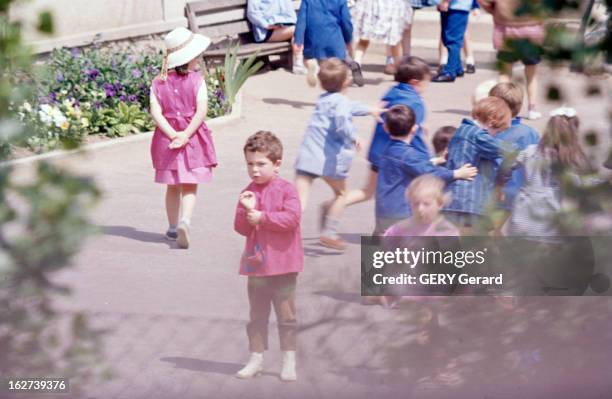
[(274, 246)]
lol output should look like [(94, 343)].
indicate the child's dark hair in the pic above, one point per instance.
[(266, 143), (333, 75), (399, 120), (182, 69), (560, 140), (412, 68), (442, 137)]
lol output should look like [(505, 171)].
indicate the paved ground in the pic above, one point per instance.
[(176, 318)]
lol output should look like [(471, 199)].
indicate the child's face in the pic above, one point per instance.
[(420, 85), (426, 206), (261, 169), (194, 65)]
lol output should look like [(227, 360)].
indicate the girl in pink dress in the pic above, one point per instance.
[(182, 148)]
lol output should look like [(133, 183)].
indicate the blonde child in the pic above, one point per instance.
[(268, 215), (328, 146), (426, 197), (182, 148)]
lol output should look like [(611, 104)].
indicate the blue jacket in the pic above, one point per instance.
[(460, 5), (522, 136), (263, 13), (471, 144), (404, 94), (324, 28), (399, 164), (328, 145)]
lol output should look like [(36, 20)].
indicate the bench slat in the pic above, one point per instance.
[(230, 15), (231, 29), (248, 49), (211, 5)]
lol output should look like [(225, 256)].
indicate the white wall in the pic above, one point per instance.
[(79, 22)]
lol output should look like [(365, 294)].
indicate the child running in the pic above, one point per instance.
[(328, 146), (324, 30), (412, 76), (182, 147), (268, 215), (400, 163)]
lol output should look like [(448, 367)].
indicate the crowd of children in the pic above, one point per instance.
[(416, 193)]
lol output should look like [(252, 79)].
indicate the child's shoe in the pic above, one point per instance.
[(171, 235), (356, 72), (390, 69), (533, 114), (253, 368), (333, 242), (288, 370), (312, 68), (298, 65), (183, 235)]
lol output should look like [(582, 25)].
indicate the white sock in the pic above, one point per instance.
[(469, 60), (444, 60), (172, 228), (390, 60), (185, 220)]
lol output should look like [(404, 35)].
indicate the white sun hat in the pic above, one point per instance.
[(182, 46)]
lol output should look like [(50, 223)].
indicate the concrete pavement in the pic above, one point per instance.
[(176, 318)]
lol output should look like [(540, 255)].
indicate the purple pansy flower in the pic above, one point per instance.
[(92, 74), (132, 98), (136, 73), (118, 86), (75, 52), (122, 98)]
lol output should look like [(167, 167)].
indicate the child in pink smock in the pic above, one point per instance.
[(182, 148), (268, 215), (426, 197)]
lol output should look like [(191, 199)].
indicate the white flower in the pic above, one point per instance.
[(27, 107), (84, 122)]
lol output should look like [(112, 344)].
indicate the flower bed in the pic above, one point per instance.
[(95, 91)]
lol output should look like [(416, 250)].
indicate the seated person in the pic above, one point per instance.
[(274, 21)]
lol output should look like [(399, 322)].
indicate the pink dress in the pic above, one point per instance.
[(192, 163)]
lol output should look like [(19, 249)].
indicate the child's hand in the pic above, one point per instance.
[(476, 13), (438, 160), (443, 6), (248, 200), (466, 172), (180, 140), (377, 112), (254, 217), (358, 144)]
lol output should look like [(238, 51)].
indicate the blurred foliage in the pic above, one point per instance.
[(43, 223), (587, 208)]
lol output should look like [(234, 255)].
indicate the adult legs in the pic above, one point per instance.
[(454, 23), (530, 76), (362, 46)]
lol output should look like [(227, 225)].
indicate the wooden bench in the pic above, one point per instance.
[(225, 23)]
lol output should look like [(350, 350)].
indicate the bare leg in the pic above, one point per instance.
[(407, 36), (282, 34), (468, 51), (188, 200), (302, 185), (363, 194), (362, 46), (173, 203), (337, 205), (530, 75), (505, 73), (442, 53), (396, 52)]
